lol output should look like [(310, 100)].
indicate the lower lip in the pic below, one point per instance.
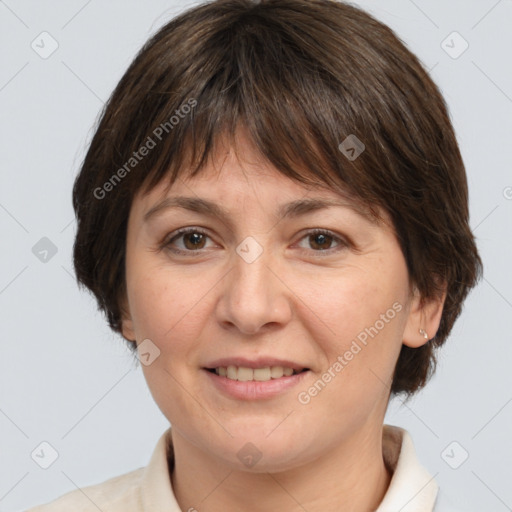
[(255, 390)]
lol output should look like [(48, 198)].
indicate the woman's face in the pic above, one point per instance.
[(258, 289)]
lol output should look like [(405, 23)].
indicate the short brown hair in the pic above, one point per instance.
[(301, 76)]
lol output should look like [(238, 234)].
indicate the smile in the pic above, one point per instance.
[(244, 374), (243, 383)]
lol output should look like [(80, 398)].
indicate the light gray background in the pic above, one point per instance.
[(66, 379)]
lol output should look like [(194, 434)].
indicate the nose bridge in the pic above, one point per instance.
[(254, 296), (252, 261), (251, 270)]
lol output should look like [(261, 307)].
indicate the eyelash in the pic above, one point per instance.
[(342, 244)]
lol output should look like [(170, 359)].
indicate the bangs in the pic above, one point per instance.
[(260, 82)]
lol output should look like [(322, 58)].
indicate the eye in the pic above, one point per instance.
[(321, 240), (194, 239)]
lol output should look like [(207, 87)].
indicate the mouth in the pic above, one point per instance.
[(263, 374), (256, 383)]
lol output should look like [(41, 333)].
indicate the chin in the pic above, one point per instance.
[(254, 450)]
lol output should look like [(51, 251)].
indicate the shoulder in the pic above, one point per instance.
[(121, 493)]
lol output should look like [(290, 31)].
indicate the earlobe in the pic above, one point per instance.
[(127, 329), (424, 319)]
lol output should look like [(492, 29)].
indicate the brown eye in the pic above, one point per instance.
[(186, 241), (193, 240), (320, 241)]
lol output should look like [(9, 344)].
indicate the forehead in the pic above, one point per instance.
[(234, 173), (222, 205)]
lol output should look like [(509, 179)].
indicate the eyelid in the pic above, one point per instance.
[(343, 242), (179, 233)]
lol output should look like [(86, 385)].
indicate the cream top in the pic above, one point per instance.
[(412, 488)]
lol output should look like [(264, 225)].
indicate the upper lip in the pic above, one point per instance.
[(260, 362)]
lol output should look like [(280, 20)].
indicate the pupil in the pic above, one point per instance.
[(195, 238), (320, 239)]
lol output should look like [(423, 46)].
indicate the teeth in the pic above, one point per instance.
[(231, 373), (244, 374), (261, 374), (276, 372)]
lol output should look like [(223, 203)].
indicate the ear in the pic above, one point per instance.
[(424, 319), (127, 329)]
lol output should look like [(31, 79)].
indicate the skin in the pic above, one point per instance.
[(295, 302)]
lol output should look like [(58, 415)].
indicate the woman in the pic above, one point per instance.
[(273, 213)]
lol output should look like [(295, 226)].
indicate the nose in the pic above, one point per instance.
[(255, 297)]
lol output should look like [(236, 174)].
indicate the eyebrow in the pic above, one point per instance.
[(293, 209)]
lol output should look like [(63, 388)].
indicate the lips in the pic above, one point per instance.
[(263, 378), (253, 379)]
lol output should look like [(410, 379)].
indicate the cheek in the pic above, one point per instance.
[(170, 306), (358, 323), (354, 301)]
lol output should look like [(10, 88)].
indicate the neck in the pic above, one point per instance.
[(351, 478)]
